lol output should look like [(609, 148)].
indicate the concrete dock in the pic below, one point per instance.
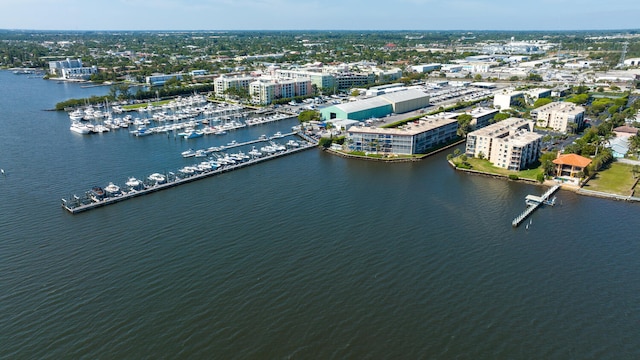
[(75, 205)]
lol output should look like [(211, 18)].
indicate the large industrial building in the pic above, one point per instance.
[(559, 116), (510, 144), (379, 106), (416, 137)]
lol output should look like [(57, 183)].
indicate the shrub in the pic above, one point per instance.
[(513, 177)]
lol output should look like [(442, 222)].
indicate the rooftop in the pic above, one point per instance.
[(572, 159), (412, 128)]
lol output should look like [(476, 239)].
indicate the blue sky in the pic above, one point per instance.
[(319, 14)]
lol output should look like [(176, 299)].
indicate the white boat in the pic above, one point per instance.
[(254, 152), (201, 153), (142, 131), (134, 184), (187, 170), (99, 128), (188, 153), (157, 178), (293, 143), (79, 128), (112, 189), (76, 115), (277, 135)]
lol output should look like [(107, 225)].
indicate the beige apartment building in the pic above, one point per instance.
[(510, 144), (559, 116)]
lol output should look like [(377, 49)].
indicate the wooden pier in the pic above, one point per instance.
[(534, 202), (76, 208)]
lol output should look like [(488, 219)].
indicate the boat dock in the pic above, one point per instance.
[(235, 145), (533, 202), (75, 205)]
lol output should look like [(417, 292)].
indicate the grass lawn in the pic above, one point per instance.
[(486, 166), (142, 105), (616, 179)]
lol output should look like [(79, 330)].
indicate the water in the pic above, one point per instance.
[(307, 256)]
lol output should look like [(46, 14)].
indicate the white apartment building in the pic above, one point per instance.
[(319, 79), (509, 144), (265, 90), (504, 99), (559, 116), (71, 69), (416, 137), (223, 83)]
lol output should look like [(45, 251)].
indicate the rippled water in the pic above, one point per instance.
[(307, 256)]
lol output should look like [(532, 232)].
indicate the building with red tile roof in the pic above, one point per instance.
[(570, 165)]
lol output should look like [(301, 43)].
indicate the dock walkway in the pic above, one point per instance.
[(76, 208), (534, 203)]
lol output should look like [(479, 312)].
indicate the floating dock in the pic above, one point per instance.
[(534, 202), (75, 205)]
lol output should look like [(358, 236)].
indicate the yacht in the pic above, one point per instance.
[(76, 115), (277, 135), (193, 134), (157, 178), (142, 131), (112, 189), (188, 153), (254, 152), (97, 193), (200, 153), (134, 184), (79, 128)]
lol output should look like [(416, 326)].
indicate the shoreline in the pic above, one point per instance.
[(578, 190), (391, 160)]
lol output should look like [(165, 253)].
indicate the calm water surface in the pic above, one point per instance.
[(307, 256)]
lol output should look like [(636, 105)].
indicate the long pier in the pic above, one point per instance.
[(235, 145), (533, 203), (74, 209)]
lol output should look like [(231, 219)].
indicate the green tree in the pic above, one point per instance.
[(464, 124), (534, 77), (309, 115), (541, 102), (500, 116)]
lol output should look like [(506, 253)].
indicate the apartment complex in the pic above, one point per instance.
[(223, 83), (559, 116), (510, 144), (318, 78), (71, 69), (265, 90), (413, 138)]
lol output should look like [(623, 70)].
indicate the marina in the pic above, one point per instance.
[(533, 202), (253, 262), (98, 197)]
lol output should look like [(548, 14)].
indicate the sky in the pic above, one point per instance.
[(319, 14)]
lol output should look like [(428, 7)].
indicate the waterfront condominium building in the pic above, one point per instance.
[(264, 90), (71, 69), (223, 83), (318, 78), (559, 116), (416, 137), (509, 144)]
